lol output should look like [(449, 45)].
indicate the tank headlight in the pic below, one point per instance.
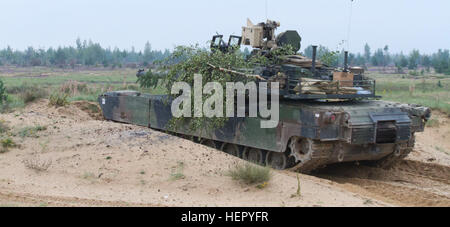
[(330, 118)]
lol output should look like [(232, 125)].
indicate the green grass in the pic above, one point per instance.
[(250, 174), (60, 77), (26, 85), (426, 91)]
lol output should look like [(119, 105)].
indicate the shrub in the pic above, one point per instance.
[(37, 164), (3, 95), (251, 174), (31, 93), (6, 144), (74, 88), (58, 100)]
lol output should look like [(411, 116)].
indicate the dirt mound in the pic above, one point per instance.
[(99, 163), (79, 111), (91, 108)]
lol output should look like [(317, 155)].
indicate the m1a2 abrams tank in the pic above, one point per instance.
[(326, 116)]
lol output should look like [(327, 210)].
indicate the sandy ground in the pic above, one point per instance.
[(433, 146), (99, 163)]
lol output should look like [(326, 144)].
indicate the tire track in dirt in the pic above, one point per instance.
[(427, 170), (409, 183), (60, 201)]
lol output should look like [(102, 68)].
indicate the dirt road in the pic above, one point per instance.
[(98, 163)]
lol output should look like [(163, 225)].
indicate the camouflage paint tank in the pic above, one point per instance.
[(317, 126), (310, 134)]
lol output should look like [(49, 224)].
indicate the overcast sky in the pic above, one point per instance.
[(401, 24)]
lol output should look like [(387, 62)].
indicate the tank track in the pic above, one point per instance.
[(308, 167), (319, 156), (402, 151)]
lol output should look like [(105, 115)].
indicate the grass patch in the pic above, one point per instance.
[(57, 78), (29, 94), (251, 174), (89, 176), (432, 123), (85, 97), (177, 172), (440, 149), (31, 131), (12, 102), (3, 127), (8, 205)]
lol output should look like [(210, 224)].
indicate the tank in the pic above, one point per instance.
[(327, 115)]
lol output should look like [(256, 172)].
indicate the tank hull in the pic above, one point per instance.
[(358, 131)]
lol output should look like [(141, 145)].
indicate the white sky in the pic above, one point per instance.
[(401, 24)]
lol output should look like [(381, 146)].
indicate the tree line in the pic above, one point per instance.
[(439, 61), (88, 53), (84, 53)]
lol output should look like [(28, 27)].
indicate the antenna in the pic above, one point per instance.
[(349, 25), (267, 6)]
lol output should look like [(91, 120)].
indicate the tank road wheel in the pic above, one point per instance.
[(209, 143), (277, 160), (301, 149), (254, 155), (231, 149)]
